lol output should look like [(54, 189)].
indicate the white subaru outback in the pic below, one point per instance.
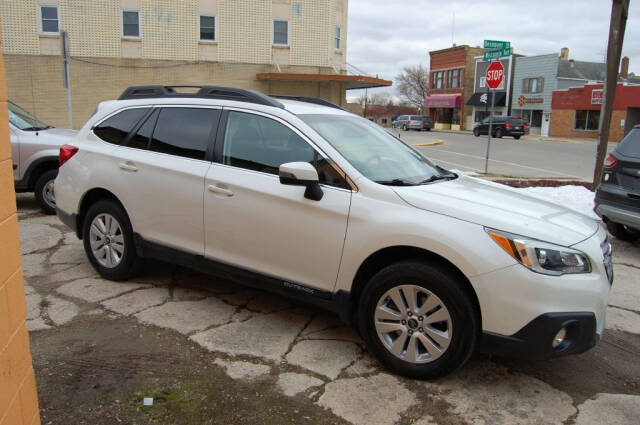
[(298, 196)]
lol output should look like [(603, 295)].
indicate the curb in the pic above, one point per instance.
[(434, 143)]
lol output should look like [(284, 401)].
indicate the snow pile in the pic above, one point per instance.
[(577, 198)]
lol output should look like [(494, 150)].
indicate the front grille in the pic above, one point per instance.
[(607, 251)]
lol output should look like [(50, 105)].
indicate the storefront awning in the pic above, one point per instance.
[(484, 99), (442, 101), (350, 81)]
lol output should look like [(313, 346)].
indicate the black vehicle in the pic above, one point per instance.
[(618, 196), (502, 126), (426, 123)]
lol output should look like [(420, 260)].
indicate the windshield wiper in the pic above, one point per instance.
[(435, 177), (395, 182), (36, 128)]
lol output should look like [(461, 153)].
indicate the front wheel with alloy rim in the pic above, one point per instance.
[(108, 241), (476, 132), (417, 319)]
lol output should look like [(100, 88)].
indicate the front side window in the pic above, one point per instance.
[(371, 150), (338, 32), (116, 128), (184, 132), (586, 120), (141, 138), (261, 144), (281, 32), (207, 28), (49, 22), (23, 120), (131, 23)]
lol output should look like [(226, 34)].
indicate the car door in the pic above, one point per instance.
[(15, 152), (160, 171), (254, 222)]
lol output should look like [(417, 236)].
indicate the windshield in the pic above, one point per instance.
[(374, 152), (24, 120)]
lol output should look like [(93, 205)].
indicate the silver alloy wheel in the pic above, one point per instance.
[(106, 240), (48, 194), (413, 323)]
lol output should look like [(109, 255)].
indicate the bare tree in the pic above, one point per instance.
[(413, 84)]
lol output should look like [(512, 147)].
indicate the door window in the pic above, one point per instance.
[(184, 131), (140, 140), (115, 129), (261, 144)]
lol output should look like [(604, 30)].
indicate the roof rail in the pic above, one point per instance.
[(314, 100), (207, 92)]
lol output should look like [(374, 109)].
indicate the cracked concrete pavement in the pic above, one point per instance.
[(260, 339)]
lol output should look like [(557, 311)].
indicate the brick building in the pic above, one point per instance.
[(576, 111), (451, 84), (18, 396), (295, 47)]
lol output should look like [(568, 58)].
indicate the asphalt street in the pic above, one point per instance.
[(527, 157)]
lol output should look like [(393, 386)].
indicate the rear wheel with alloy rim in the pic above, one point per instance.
[(417, 319), (476, 132), (623, 232), (499, 133), (108, 241), (44, 191)]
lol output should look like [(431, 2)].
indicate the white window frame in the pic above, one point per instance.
[(215, 28), (130, 37), (273, 32), (42, 31), (337, 37)]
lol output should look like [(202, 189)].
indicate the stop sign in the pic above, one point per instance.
[(495, 73)]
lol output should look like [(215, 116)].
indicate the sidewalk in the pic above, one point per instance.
[(534, 137)]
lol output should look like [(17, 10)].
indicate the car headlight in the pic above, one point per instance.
[(541, 257)]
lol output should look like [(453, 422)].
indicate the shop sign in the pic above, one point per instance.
[(596, 96), (524, 100)]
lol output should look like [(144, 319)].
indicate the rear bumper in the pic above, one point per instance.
[(613, 203), (533, 342), (69, 219)]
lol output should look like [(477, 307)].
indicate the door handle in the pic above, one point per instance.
[(128, 166), (220, 190)]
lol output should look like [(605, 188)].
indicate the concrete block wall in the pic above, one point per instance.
[(18, 396), (562, 121)]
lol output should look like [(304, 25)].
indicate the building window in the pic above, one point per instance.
[(130, 23), (453, 78), (338, 34), (532, 85), (281, 32), (438, 80), (586, 120), (49, 21), (207, 28)]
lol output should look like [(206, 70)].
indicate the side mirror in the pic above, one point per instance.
[(302, 174)]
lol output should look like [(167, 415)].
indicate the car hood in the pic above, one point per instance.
[(501, 207), (59, 133)]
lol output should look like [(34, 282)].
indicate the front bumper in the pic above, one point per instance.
[(534, 341)]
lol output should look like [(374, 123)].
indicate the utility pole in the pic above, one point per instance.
[(65, 74), (619, 13)]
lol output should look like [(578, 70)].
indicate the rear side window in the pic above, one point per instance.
[(516, 121), (140, 140), (416, 117), (184, 132), (115, 129), (630, 145)]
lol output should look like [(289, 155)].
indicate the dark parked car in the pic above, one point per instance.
[(426, 123), (618, 196), (502, 126)]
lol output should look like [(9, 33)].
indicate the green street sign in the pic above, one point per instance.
[(497, 44), (496, 54)]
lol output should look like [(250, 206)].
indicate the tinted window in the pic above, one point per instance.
[(416, 117), (140, 140), (116, 128), (630, 145), (262, 144), (184, 131)]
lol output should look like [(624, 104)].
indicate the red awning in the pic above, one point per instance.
[(443, 101)]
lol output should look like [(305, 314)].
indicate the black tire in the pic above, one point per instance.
[(446, 286), (516, 137), (428, 128), (44, 191), (476, 132), (129, 264), (623, 232), (499, 133)]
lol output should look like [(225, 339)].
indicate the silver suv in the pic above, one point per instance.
[(34, 150), (410, 122)]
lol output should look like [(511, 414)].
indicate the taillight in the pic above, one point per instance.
[(506, 125), (524, 126), (610, 161), (66, 152), (409, 122)]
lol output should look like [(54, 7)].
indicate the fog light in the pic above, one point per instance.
[(559, 338)]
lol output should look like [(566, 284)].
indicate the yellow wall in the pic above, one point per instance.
[(170, 30), (18, 397)]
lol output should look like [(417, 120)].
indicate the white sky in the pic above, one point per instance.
[(384, 36)]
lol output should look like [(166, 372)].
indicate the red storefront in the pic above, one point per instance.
[(575, 112)]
